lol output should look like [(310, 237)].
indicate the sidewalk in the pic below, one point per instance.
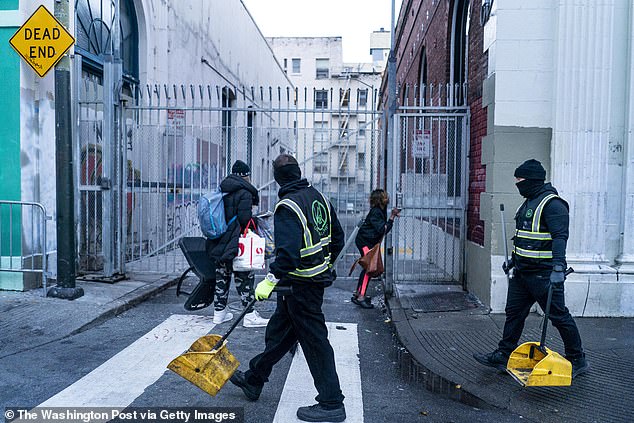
[(438, 348), (28, 320)]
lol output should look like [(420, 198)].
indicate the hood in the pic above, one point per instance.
[(233, 183), (292, 187)]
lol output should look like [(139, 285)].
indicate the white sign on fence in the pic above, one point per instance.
[(422, 143)]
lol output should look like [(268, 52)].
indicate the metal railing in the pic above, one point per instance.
[(23, 238)]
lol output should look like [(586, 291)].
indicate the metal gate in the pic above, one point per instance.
[(98, 158), (430, 185), (180, 142)]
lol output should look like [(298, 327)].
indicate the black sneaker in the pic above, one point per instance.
[(579, 366), (363, 302), (252, 392), (318, 413), (497, 359)]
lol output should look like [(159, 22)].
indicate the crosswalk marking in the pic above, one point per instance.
[(123, 378), (299, 389)]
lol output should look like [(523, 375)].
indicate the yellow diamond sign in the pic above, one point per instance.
[(42, 41)]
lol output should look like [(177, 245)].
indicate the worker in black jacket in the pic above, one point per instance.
[(375, 226), (538, 261), (238, 201), (308, 237)]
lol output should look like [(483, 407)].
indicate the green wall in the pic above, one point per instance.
[(9, 4), (9, 135)]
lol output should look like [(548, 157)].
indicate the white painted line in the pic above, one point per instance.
[(123, 378), (299, 389)]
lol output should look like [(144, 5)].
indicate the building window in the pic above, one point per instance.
[(344, 97), (93, 22), (361, 130), (297, 65), (361, 161), (285, 65), (321, 99), (322, 67), (363, 98), (343, 129)]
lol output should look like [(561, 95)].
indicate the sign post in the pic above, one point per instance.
[(43, 42)]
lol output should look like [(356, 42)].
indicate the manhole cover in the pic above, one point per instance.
[(443, 301)]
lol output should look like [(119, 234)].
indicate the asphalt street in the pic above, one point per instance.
[(35, 375)]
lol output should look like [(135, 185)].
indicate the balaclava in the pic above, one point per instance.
[(534, 176), (286, 169)]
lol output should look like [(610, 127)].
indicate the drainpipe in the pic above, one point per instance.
[(390, 171)]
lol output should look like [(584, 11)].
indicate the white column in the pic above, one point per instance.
[(588, 130), (626, 259)]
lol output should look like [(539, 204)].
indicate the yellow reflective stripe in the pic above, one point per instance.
[(305, 252), (545, 236), (308, 239), (537, 216), (313, 271), (533, 254)]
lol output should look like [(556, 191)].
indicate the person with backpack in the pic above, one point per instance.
[(239, 195), (308, 237), (375, 226)]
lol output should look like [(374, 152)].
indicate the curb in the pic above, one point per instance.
[(416, 371), (128, 301)]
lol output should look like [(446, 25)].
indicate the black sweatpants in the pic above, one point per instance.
[(298, 317), (524, 290)]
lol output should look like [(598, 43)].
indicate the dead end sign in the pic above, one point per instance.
[(42, 41)]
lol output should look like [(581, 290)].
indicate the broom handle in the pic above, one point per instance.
[(542, 342), (506, 247), (284, 290)]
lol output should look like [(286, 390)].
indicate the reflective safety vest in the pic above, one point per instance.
[(313, 211), (533, 244)]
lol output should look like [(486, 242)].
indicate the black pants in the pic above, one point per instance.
[(362, 284), (298, 317), (524, 290)]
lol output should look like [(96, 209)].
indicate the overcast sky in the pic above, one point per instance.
[(353, 20)]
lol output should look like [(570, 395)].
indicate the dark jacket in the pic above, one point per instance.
[(375, 225), (289, 235), (241, 195), (555, 219)]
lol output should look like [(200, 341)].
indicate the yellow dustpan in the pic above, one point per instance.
[(208, 363), (532, 364), (205, 364)]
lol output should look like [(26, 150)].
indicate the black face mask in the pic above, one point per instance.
[(528, 188)]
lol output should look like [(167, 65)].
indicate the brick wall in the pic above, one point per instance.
[(425, 25), (477, 171)]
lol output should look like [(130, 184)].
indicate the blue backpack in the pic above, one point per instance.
[(211, 214)]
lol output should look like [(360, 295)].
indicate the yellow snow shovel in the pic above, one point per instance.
[(208, 363), (532, 364)]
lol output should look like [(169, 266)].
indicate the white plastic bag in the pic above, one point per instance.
[(251, 249)]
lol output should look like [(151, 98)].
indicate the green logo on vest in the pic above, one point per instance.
[(529, 213), (320, 217)]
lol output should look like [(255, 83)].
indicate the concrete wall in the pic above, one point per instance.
[(565, 101)]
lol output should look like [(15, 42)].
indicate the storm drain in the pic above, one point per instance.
[(443, 301)]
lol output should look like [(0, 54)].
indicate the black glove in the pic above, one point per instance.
[(507, 266), (557, 276)]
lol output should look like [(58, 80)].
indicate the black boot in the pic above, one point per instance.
[(319, 413), (496, 359), (579, 366), (252, 392)]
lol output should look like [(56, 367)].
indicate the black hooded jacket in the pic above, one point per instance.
[(289, 235), (374, 227), (241, 195), (556, 219)]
